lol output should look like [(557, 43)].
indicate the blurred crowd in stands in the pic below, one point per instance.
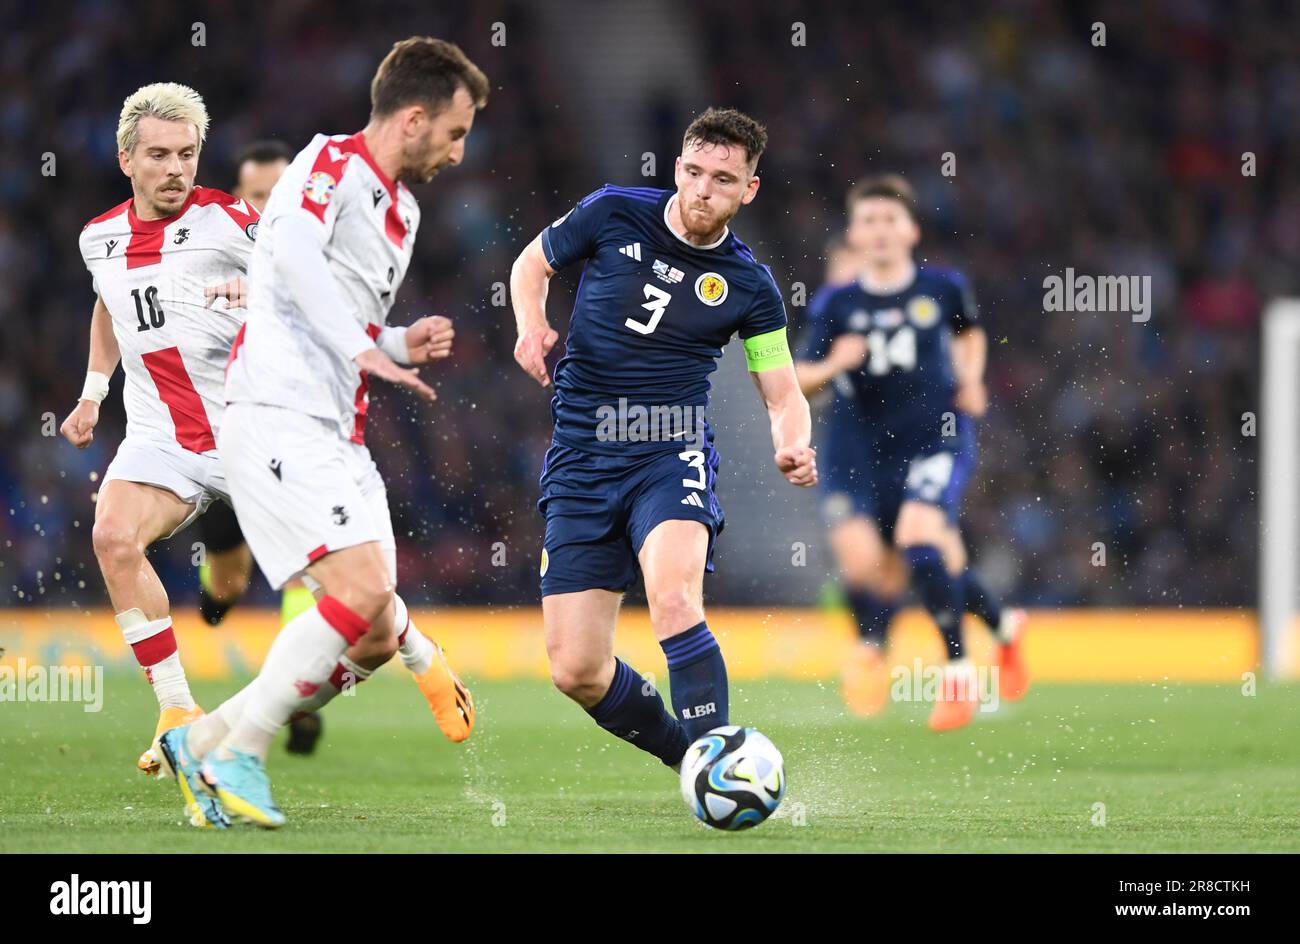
[(1170, 151)]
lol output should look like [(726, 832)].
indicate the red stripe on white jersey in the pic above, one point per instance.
[(176, 390), (234, 348), (332, 159), (362, 401)]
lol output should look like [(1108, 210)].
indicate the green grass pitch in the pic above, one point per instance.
[(1177, 767)]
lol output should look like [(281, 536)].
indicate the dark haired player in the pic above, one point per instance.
[(628, 483), (905, 354), (335, 243), (227, 566)]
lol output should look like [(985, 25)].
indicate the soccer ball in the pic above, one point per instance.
[(733, 778)]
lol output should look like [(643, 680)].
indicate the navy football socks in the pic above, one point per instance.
[(980, 601), (633, 711), (698, 677), (871, 614), (940, 592)]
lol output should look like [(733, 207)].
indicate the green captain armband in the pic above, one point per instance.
[(767, 351)]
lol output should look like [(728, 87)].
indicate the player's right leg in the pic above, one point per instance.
[(874, 578), (301, 510), (358, 591), (130, 516), (587, 563), (579, 629)]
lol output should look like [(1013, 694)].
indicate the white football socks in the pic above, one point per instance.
[(154, 645), (416, 648), (298, 665)]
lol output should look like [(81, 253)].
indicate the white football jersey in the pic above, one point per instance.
[(151, 275), (369, 224)]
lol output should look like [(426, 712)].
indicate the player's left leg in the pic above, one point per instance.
[(673, 517), (449, 700), (227, 566), (673, 557), (1007, 624)]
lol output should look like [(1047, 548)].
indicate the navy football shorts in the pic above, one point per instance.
[(873, 481), (600, 508)]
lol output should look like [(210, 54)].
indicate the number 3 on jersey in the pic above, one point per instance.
[(658, 301)]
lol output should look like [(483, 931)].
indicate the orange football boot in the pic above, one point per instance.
[(865, 683), (959, 698), (1013, 673), (170, 718), (448, 698)]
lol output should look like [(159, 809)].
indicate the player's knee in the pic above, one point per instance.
[(870, 572), (115, 544), (578, 678), (672, 611), (954, 556), (369, 597)]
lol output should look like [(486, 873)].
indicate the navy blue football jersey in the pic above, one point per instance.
[(907, 379), (652, 316)]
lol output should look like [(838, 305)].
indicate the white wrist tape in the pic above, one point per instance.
[(392, 341), (96, 387)]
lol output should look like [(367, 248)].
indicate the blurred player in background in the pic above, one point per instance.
[(227, 566), (159, 262), (666, 286), (902, 347), (337, 238)]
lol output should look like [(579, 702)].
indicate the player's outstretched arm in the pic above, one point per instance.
[(79, 427), (791, 420), (969, 356), (300, 265), (530, 277), (847, 353)]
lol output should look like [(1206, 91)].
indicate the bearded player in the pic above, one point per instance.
[(227, 567), (902, 346), (666, 286), (336, 240)]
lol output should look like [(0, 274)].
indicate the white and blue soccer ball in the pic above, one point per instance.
[(733, 778)]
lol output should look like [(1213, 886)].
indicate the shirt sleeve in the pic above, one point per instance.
[(239, 247), (767, 312), (576, 235), (315, 191), (819, 332), (763, 328), (965, 313), (301, 266)]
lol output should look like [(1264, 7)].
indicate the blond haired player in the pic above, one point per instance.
[(336, 240), (159, 261)]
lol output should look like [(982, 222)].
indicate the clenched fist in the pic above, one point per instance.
[(79, 427), (798, 464), (429, 339)]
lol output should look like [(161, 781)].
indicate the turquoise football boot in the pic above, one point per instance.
[(175, 761), (240, 782)]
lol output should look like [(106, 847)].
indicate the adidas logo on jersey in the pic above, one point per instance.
[(633, 251), (693, 499)]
